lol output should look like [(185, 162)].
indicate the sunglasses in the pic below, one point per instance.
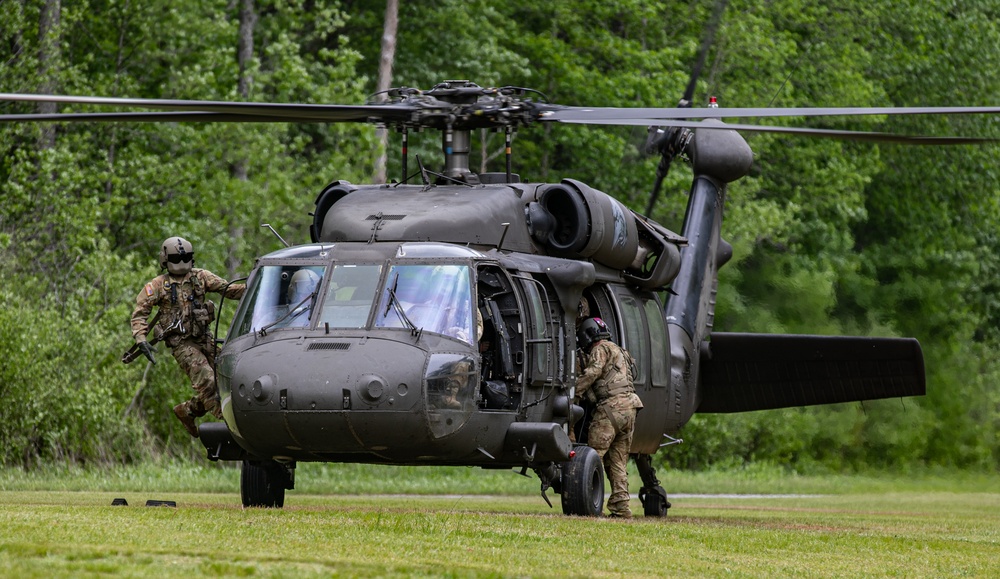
[(180, 258)]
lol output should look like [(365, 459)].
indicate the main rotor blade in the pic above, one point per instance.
[(804, 131), (267, 112), (654, 116), (168, 117)]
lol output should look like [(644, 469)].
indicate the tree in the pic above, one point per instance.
[(388, 57)]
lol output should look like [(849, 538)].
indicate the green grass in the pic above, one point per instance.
[(314, 478), (62, 534), (367, 520)]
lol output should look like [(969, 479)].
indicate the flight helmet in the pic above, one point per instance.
[(177, 255), (591, 330), (303, 283)]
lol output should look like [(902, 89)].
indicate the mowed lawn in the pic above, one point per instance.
[(911, 534)]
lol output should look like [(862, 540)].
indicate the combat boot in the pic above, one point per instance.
[(182, 414)]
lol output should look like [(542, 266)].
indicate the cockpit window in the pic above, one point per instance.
[(350, 295), (281, 296), (431, 298)]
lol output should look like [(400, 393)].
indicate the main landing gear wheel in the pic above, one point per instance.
[(263, 484), (583, 483)]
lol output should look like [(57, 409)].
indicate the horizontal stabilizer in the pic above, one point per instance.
[(745, 372)]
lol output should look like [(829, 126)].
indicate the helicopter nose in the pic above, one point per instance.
[(327, 397), (328, 375)]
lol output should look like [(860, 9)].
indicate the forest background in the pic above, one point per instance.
[(829, 236)]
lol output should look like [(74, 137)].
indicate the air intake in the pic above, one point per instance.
[(328, 346)]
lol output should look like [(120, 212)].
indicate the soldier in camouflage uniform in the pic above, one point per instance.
[(606, 380), (184, 322)]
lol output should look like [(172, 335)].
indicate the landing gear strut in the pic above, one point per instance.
[(653, 497)]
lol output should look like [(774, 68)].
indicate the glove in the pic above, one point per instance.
[(147, 351)]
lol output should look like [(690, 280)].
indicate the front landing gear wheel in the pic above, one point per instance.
[(583, 484), (654, 501), (263, 484)]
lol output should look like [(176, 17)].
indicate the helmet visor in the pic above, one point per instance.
[(180, 258)]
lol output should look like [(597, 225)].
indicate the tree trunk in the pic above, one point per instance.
[(244, 49), (110, 223), (385, 80), (16, 37), (240, 167), (48, 65)]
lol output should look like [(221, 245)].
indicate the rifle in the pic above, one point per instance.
[(158, 336)]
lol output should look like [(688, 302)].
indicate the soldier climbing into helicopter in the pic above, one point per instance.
[(184, 323), (606, 380)]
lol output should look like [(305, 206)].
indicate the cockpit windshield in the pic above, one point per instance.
[(350, 295), (281, 296), (431, 298), (434, 298)]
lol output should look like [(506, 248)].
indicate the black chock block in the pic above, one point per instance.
[(119, 503), (155, 503)]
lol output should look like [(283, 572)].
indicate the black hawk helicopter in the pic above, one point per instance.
[(434, 323)]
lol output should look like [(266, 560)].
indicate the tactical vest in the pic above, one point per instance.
[(615, 379), (185, 301)]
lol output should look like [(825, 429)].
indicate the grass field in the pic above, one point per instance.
[(912, 527)]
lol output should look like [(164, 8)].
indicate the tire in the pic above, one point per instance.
[(262, 485), (583, 484), (654, 502)]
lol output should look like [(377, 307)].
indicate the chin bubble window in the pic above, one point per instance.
[(450, 387)]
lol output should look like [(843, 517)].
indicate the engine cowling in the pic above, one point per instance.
[(324, 201), (571, 219), (588, 224)]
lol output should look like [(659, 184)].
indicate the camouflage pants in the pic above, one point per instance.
[(196, 356), (610, 434)]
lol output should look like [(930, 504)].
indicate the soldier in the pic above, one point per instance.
[(184, 323), (302, 285), (606, 380), (451, 394)]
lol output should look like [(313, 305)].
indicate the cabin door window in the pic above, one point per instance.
[(636, 337), (659, 344)]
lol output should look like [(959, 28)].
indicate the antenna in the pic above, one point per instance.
[(268, 225)]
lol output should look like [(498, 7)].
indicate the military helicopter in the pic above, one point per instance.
[(434, 322)]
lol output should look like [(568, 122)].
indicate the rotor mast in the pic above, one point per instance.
[(456, 108), (456, 146)]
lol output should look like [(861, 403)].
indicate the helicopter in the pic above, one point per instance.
[(433, 322)]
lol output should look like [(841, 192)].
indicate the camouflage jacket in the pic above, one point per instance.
[(180, 299), (606, 376)]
